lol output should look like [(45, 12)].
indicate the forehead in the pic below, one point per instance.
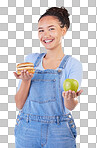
[(48, 20)]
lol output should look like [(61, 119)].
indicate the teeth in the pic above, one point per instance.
[(47, 41)]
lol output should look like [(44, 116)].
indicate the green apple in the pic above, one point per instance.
[(70, 84)]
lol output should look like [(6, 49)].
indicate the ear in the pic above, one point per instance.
[(64, 30)]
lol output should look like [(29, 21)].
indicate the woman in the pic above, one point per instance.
[(44, 119)]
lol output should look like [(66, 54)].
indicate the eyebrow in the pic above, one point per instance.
[(47, 27)]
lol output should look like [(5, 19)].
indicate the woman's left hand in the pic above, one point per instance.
[(71, 94), (69, 98)]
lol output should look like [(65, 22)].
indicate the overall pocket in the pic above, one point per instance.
[(43, 90), (72, 128)]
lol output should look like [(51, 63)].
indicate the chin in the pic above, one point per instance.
[(49, 48), (52, 46)]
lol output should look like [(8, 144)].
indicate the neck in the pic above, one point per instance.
[(55, 54)]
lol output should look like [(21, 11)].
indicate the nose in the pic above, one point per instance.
[(46, 33)]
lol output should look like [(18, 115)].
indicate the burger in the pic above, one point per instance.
[(25, 66)]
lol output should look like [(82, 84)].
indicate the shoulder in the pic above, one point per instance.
[(73, 62), (73, 65), (31, 57)]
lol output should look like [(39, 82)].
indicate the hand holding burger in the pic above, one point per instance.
[(25, 71)]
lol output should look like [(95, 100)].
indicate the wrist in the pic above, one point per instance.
[(71, 103), (26, 81)]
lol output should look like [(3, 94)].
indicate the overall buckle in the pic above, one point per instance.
[(58, 120), (27, 119)]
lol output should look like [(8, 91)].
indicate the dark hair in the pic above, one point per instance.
[(61, 14)]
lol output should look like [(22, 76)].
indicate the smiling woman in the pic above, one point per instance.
[(44, 116), (50, 35), (51, 32)]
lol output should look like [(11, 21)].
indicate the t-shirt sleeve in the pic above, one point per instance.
[(76, 71), (29, 58)]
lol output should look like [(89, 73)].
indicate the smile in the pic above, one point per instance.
[(48, 41)]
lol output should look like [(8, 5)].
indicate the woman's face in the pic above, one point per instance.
[(49, 32)]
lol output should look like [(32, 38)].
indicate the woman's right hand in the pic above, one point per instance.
[(25, 75)]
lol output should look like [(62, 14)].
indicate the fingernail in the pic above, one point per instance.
[(66, 92)]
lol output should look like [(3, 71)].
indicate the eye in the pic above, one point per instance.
[(52, 29), (41, 30)]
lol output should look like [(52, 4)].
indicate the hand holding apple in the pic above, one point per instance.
[(70, 87), (70, 100), (70, 92)]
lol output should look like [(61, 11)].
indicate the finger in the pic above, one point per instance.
[(69, 94), (66, 94), (22, 74), (63, 93), (73, 94), (25, 73), (29, 75), (79, 92), (16, 75)]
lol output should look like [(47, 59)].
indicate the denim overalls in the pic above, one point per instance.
[(42, 122)]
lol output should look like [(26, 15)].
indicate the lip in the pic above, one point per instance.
[(48, 42)]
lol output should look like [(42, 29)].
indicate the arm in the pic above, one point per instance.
[(74, 72), (24, 83), (22, 93)]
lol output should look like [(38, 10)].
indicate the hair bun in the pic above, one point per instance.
[(62, 11), (65, 12)]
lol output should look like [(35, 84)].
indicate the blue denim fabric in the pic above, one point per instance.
[(42, 121)]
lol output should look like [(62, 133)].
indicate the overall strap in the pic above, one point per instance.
[(64, 61), (38, 60)]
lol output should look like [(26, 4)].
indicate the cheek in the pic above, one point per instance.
[(39, 36), (59, 38), (57, 35)]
